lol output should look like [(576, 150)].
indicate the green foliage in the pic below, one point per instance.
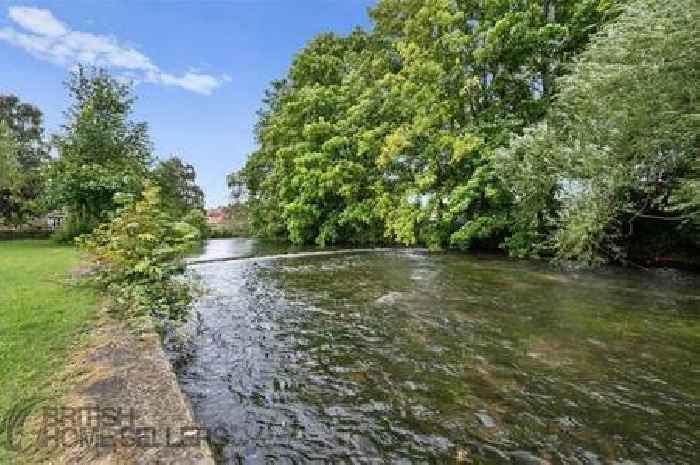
[(684, 203), (178, 188), (101, 152), (25, 122), (74, 225), (14, 205), (180, 195), (391, 136), (306, 181), (9, 165), (198, 220), (138, 254), (620, 149), (529, 171), (22, 159)]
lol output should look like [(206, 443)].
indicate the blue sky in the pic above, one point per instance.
[(201, 66)]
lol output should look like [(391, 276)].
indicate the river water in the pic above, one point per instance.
[(406, 357)]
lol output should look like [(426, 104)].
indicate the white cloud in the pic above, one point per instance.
[(47, 38), (196, 82), (38, 21)]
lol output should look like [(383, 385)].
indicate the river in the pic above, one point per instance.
[(407, 357)]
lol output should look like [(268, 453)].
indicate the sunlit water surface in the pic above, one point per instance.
[(408, 357)]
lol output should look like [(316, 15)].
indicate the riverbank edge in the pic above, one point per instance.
[(119, 368)]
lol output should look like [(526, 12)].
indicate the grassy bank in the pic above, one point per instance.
[(41, 314)]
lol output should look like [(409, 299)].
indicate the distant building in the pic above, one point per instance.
[(216, 216), (55, 219), (46, 222)]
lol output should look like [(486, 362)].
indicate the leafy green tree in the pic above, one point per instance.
[(101, 152), (10, 178), (23, 122), (618, 156), (178, 187), (307, 181), (180, 195), (9, 166), (236, 183)]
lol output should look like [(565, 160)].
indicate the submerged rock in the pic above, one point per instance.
[(485, 419), (523, 457), (389, 299), (589, 458), (494, 454)]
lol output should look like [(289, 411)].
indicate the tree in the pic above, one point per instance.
[(472, 73), (9, 173), (180, 195), (390, 135), (9, 165), (237, 186), (311, 180), (23, 123), (101, 152), (178, 188), (618, 156)]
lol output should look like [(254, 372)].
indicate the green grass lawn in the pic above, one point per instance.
[(41, 314)]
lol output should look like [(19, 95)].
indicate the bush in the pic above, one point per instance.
[(198, 219), (137, 256), (73, 227)]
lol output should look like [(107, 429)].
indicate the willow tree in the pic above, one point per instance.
[(617, 158)]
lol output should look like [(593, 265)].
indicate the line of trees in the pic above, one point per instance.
[(98, 153), (557, 128), (137, 216)]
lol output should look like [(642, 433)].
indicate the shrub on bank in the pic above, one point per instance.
[(137, 256)]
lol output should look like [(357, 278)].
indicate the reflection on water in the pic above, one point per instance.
[(414, 358)]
